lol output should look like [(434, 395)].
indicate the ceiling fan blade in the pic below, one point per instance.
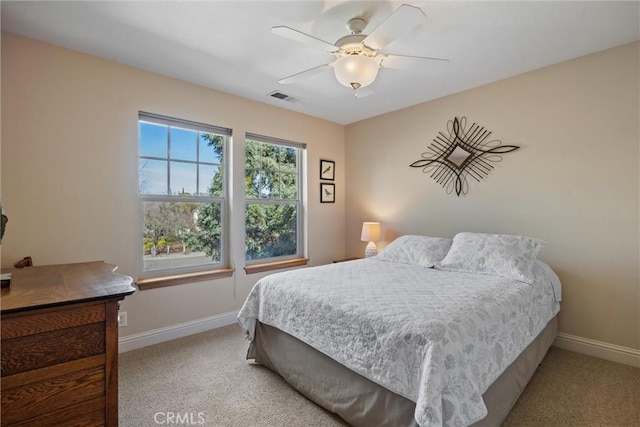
[(301, 37), (304, 74), (403, 61), (399, 22)]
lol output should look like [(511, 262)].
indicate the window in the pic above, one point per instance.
[(273, 195), (182, 194)]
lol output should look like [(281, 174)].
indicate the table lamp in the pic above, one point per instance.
[(371, 234)]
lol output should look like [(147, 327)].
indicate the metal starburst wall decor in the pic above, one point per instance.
[(461, 153)]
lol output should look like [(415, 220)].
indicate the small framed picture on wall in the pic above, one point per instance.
[(327, 192), (327, 170)]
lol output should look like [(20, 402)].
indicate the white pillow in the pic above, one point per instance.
[(421, 250), (494, 254)]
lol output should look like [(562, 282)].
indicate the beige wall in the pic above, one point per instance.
[(69, 170), (574, 183)]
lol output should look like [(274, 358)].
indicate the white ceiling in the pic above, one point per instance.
[(228, 46)]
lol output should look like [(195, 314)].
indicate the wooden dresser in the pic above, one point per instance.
[(60, 345)]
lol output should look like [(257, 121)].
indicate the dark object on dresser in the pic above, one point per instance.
[(60, 345), (3, 222), (6, 277), (24, 262), (5, 282)]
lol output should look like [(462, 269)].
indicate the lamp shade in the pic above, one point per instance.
[(355, 71), (370, 232)]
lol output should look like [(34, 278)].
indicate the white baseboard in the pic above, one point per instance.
[(603, 350), (156, 336)]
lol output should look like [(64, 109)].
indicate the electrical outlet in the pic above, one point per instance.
[(122, 319)]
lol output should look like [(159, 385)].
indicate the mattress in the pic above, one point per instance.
[(438, 339)]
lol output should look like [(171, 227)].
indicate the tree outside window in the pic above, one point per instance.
[(273, 201)]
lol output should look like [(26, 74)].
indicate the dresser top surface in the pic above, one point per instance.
[(51, 285)]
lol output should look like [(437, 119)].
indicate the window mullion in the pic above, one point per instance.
[(169, 160), (266, 201), (198, 163)]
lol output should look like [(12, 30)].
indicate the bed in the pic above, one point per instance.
[(431, 332)]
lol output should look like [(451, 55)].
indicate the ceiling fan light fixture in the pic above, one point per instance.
[(356, 71)]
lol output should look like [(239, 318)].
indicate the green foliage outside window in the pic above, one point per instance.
[(271, 212), (271, 190), (271, 231)]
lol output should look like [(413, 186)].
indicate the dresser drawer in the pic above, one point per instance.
[(85, 414), (49, 348), (36, 393), (28, 323)]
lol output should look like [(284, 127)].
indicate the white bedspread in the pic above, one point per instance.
[(437, 338)]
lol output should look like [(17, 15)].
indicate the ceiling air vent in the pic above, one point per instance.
[(282, 96)]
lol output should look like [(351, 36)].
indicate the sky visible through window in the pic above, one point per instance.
[(180, 157)]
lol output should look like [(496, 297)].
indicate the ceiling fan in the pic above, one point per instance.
[(358, 56)]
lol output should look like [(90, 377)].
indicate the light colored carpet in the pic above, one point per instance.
[(205, 380)]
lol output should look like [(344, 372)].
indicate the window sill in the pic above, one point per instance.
[(180, 279), (270, 266)]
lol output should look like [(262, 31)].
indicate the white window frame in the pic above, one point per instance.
[(223, 200), (299, 201)]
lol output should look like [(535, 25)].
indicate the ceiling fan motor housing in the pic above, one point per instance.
[(351, 44), (356, 25)]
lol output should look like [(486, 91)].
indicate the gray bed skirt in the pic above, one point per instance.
[(361, 402)]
